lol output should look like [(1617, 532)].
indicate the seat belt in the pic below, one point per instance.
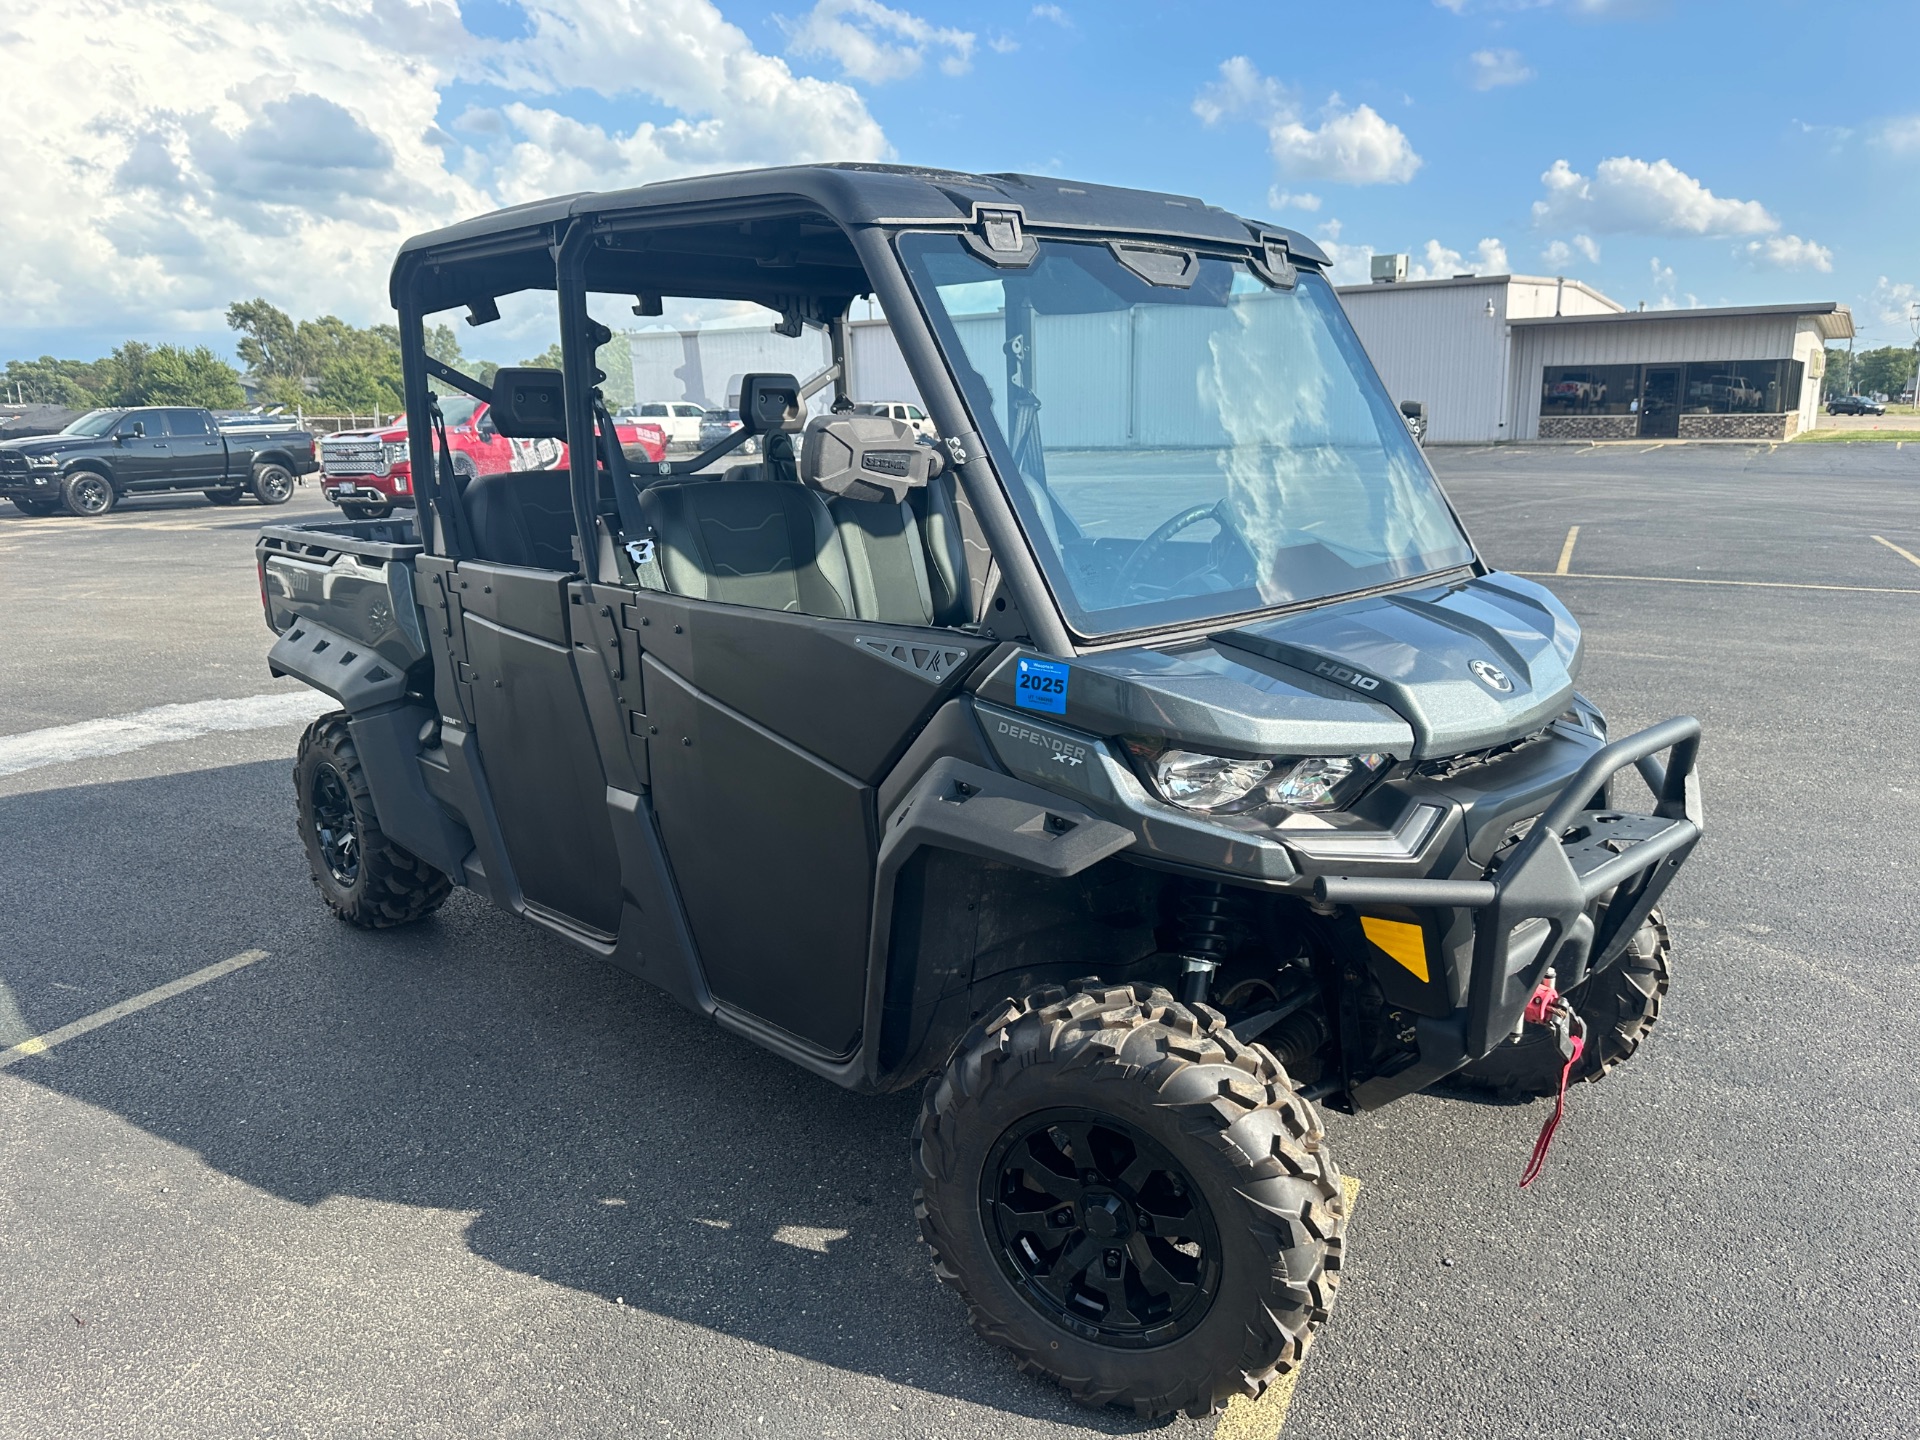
[(636, 551), (447, 496)]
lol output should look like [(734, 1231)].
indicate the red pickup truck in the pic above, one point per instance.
[(368, 473)]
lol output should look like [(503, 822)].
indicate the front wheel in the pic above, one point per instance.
[(272, 484), (88, 494), (33, 507), (226, 495), (353, 510), (1130, 1200), (365, 878)]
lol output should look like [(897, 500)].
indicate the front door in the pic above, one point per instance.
[(143, 451), (1660, 403)]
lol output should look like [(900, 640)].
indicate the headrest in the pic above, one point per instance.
[(769, 403), (864, 457), (529, 404)]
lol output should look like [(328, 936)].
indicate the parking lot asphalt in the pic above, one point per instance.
[(460, 1180)]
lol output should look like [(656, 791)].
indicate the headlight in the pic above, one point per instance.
[(1214, 783), (43, 461), (393, 451), (1206, 782)]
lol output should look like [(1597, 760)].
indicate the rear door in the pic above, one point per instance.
[(199, 454)]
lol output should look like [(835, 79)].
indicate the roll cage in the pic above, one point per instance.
[(804, 242)]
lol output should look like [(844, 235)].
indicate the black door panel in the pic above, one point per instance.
[(772, 853), (536, 745), (850, 691)]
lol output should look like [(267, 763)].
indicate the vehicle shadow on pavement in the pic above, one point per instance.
[(605, 1140)]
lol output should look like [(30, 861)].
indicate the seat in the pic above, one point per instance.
[(936, 507), (885, 562), (523, 517), (766, 543)]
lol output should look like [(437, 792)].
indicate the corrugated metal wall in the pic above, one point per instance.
[(1439, 346), (1678, 339)]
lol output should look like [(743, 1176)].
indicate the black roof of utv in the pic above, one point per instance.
[(844, 196)]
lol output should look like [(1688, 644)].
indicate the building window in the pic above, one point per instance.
[(1590, 390), (1743, 387)]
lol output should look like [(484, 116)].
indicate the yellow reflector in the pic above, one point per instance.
[(1407, 944)]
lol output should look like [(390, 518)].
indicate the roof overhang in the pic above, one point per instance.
[(1833, 320)]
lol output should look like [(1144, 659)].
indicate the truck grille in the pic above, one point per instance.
[(349, 456)]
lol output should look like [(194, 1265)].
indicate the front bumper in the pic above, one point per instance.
[(1536, 910), (30, 484)]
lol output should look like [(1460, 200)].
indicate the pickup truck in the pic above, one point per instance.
[(369, 474), (106, 455)]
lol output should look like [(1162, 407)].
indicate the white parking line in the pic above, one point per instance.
[(40, 1044), (117, 735)]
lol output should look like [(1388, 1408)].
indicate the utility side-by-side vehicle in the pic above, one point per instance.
[(1147, 758)]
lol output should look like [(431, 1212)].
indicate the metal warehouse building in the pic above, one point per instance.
[(1520, 357)]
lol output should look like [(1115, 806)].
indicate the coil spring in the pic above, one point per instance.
[(1212, 920)]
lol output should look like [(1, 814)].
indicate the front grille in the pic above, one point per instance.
[(1452, 765), (349, 456), (16, 463)]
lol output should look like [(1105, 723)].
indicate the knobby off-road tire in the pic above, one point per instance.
[(1137, 1092), (365, 878)]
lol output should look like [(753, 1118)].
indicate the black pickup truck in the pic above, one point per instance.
[(106, 454)]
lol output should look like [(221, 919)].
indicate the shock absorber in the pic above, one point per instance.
[(1211, 922)]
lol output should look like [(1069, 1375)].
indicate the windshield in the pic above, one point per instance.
[(458, 409), (94, 422), (1183, 454)]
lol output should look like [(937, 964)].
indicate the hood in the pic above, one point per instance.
[(44, 444), (389, 433), (1416, 674), (1466, 665)]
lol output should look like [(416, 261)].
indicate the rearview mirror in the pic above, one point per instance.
[(769, 403), (529, 404)]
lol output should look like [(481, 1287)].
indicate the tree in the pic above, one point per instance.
[(47, 381), (549, 360), (269, 342), (174, 375), (1839, 377), (1886, 371)]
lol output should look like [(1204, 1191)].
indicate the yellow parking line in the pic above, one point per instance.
[(1566, 551), (1746, 584), (1262, 1419), (40, 1044), (1905, 554)]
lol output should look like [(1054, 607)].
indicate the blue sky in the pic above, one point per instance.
[(1670, 153)]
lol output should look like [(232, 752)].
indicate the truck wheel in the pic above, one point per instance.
[(33, 507), (365, 878), (229, 495), (1130, 1200), (354, 511), (88, 494), (1618, 1006), (272, 484)]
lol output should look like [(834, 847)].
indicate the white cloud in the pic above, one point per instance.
[(284, 147), (1893, 301), (1790, 252), (1494, 68), (1560, 254), (1055, 14), (1901, 135), (873, 42), (1636, 197), (1438, 262), (1350, 146), (1278, 199), (1352, 264)]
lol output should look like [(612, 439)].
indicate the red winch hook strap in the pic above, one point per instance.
[(1545, 1142)]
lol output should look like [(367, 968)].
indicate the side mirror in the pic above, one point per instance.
[(137, 430), (770, 403), (529, 404)]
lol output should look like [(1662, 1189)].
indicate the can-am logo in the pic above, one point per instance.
[(1492, 676), (1346, 675)]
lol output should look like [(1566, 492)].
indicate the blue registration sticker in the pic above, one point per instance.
[(1041, 685)]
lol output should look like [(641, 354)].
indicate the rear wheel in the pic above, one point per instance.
[(272, 484), (353, 510), (365, 878), (1131, 1201), (87, 493), (226, 495), (33, 507)]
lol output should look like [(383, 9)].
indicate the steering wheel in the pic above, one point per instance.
[(1151, 546)]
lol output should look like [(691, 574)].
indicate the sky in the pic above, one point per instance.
[(166, 157)]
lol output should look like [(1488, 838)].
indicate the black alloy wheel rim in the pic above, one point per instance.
[(1100, 1229), (276, 483), (90, 495), (334, 825)]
